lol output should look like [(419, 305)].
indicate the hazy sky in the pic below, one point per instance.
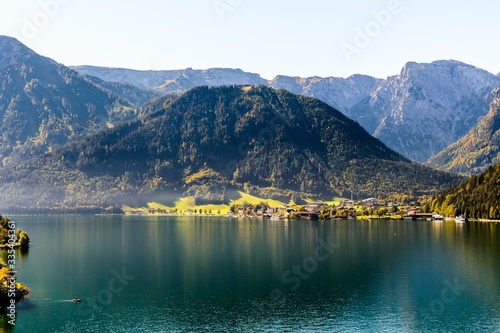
[(293, 37)]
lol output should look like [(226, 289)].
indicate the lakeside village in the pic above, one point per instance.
[(370, 208)]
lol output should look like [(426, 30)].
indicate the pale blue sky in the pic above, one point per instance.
[(293, 37)]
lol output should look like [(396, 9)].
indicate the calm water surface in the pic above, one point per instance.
[(166, 274)]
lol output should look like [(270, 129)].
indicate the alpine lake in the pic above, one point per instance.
[(217, 274)]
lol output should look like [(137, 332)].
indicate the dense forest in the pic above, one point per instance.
[(211, 140), (476, 197)]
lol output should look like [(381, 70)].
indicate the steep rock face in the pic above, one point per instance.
[(340, 93), (44, 104), (479, 149), (427, 107)]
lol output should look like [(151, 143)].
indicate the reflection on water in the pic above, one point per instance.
[(217, 274)]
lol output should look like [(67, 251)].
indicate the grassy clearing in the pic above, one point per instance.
[(155, 205), (183, 204), (186, 203), (256, 200)]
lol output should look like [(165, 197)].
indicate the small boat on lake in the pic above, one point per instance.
[(460, 219), (437, 217), (77, 300)]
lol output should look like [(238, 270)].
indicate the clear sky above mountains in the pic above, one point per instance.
[(294, 37)]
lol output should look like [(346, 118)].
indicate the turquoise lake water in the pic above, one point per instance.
[(187, 274)]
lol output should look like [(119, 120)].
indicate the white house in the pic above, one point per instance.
[(370, 202)]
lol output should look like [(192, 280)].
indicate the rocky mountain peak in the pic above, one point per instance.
[(290, 83), (446, 74), (427, 106), (219, 76)]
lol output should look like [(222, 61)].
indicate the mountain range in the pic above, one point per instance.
[(46, 108), (211, 140), (338, 92), (418, 113)]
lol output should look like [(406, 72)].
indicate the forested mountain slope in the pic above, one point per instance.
[(212, 139)]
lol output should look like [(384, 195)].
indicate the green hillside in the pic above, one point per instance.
[(476, 197), (43, 104)]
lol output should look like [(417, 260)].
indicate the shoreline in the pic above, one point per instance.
[(368, 217), (484, 221)]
